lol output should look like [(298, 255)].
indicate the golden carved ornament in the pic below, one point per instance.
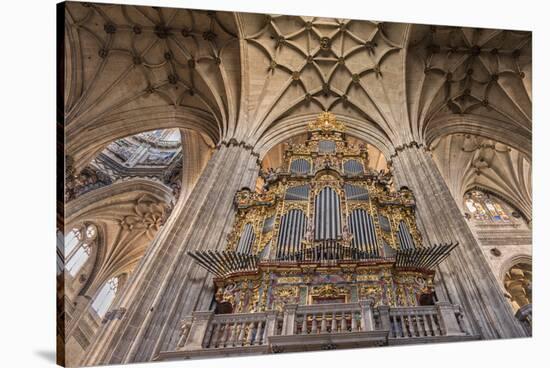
[(402, 300), (289, 280), (371, 291), (255, 298), (329, 291), (368, 277), (286, 292), (326, 121)]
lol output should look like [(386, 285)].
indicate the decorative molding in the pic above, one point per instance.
[(233, 142), (412, 144)]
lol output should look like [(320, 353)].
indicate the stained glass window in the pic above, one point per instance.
[(483, 207)]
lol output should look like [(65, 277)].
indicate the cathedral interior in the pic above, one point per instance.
[(242, 183)]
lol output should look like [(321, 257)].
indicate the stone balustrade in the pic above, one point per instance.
[(327, 318), (324, 325), (443, 319), (247, 329)]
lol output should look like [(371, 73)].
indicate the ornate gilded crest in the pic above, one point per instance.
[(326, 121)]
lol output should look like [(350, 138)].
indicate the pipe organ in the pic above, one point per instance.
[(328, 224), (325, 228), (291, 232), (247, 239), (405, 239), (363, 231)]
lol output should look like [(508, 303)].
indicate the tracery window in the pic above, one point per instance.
[(78, 247), (483, 207), (105, 297)]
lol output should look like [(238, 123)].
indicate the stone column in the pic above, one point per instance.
[(384, 312), (271, 323), (197, 331), (465, 278), (167, 285), (289, 319), (367, 321), (447, 319)]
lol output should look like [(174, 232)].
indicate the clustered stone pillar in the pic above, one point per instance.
[(167, 285), (465, 277)]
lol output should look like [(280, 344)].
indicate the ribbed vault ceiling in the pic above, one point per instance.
[(131, 69), (468, 162), (464, 71)]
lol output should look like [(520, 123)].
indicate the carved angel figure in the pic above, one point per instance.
[(310, 231), (347, 236)]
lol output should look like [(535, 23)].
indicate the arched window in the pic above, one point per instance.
[(105, 297), (384, 222), (268, 224), (78, 246), (483, 207)]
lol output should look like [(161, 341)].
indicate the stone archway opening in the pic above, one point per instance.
[(518, 285)]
